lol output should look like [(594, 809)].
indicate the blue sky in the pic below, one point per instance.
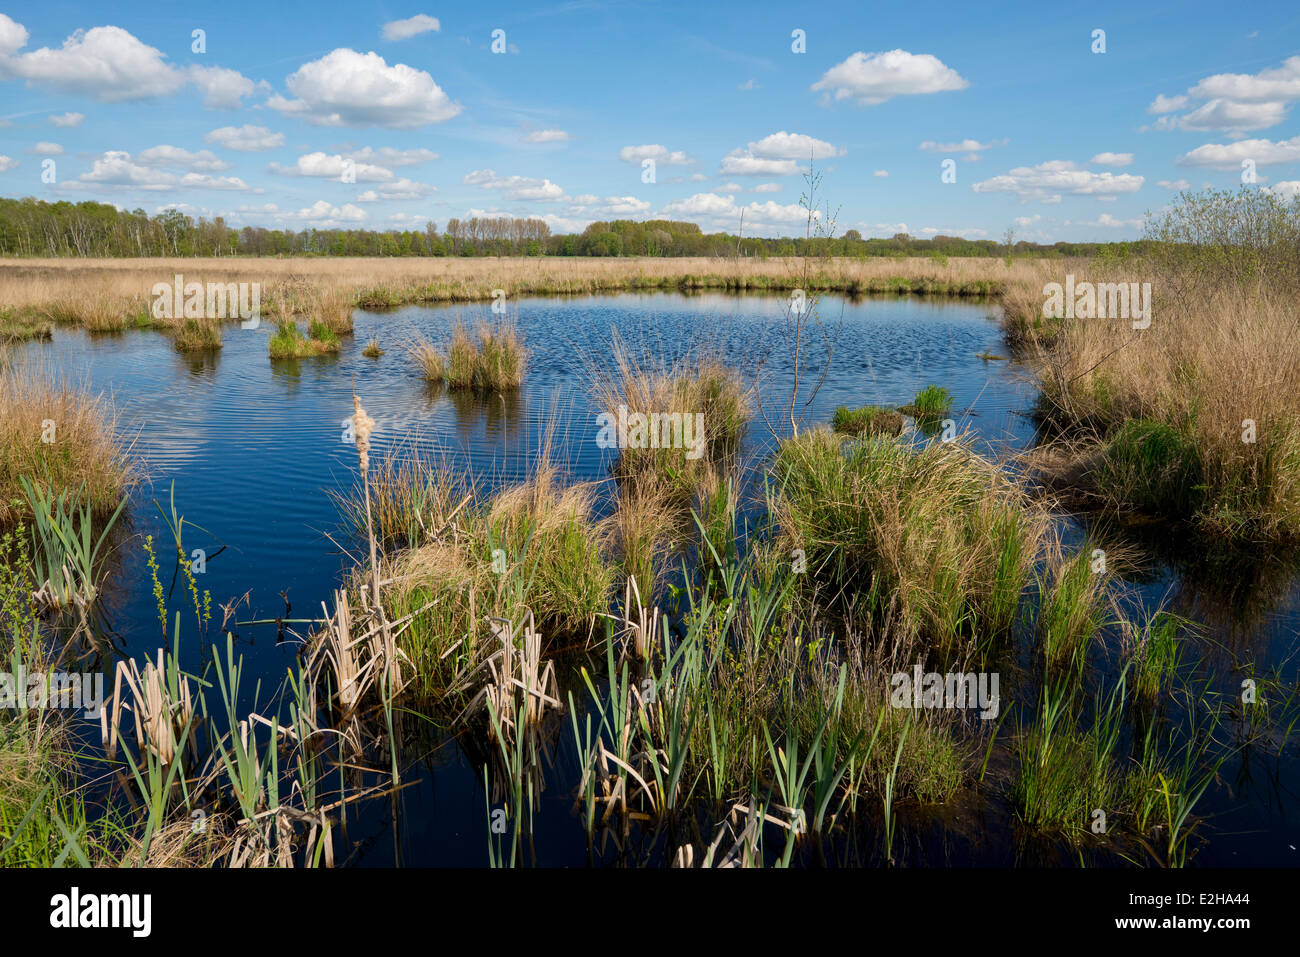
[(262, 127)]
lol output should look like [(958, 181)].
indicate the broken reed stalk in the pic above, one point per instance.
[(363, 425)]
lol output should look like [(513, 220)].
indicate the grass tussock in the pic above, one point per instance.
[(197, 335), (491, 359), (289, 342), (867, 420), (680, 423), (457, 558), (1192, 418), (61, 439), (935, 540)]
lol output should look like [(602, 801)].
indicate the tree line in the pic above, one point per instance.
[(31, 227)]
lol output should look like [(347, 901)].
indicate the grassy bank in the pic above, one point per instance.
[(1193, 417), (114, 294)]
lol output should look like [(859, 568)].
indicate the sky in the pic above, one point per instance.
[(956, 119)]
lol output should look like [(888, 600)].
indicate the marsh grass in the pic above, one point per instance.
[(372, 350), (933, 540), (491, 359), (289, 342), (84, 454), (699, 386), (867, 420), (930, 404), (1194, 416), (197, 335)]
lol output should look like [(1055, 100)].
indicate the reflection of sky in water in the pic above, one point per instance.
[(253, 448)]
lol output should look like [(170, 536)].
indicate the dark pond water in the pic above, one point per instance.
[(253, 448)]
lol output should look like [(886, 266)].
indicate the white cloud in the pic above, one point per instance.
[(964, 146), (881, 173), (223, 89), (106, 63), (1227, 115), (1229, 156), (698, 177), (177, 158), (7, 163), (1280, 83), (67, 120), (328, 166), (245, 139), (388, 156), (320, 214), (660, 154), (515, 187), (410, 27), (793, 146), (726, 188), (117, 170), (1167, 104), (742, 163), (768, 188), (347, 88), (48, 149), (748, 85), (872, 78), (1047, 181), (111, 65), (766, 216), (398, 189), (1175, 184), (1286, 190), (1112, 159), (1107, 221), (547, 136)]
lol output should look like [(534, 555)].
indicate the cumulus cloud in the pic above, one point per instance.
[(397, 189), (245, 139), (410, 27), (116, 169), (1167, 104), (768, 188), (1175, 184), (759, 217), (515, 187), (1230, 155), (793, 146), (743, 163), (388, 156), (111, 65), (327, 166), (871, 78), (67, 120), (347, 88), (177, 158), (962, 146), (44, 148), (1233, 101), (547, 136), (1046, 182), (223, 89), (1286, 190), (7, 163), (662, 155), (1112, 159), (321, 214), (881, 173)]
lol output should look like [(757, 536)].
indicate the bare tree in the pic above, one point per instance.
[(803, 330)]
